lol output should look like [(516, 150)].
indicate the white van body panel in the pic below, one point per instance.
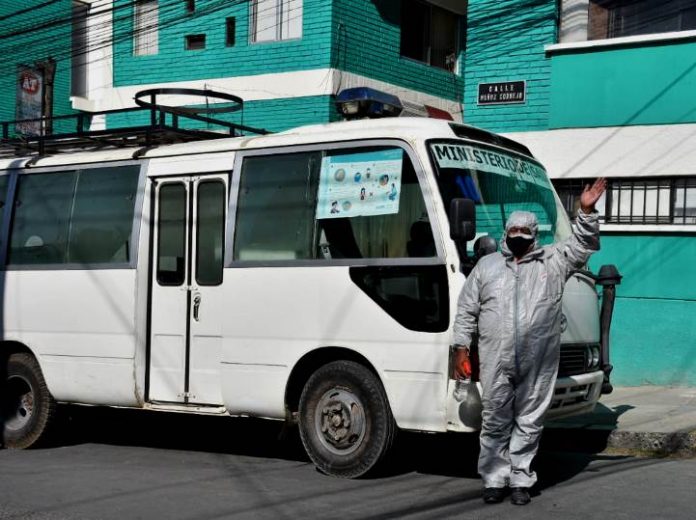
[(82, 328), (89, 328), (296, 310)]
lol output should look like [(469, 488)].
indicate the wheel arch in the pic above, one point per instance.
[(310, 362), (14, 347)]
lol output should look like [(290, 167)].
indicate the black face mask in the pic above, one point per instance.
[(519, 245)]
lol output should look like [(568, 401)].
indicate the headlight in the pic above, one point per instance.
[(594, 356)]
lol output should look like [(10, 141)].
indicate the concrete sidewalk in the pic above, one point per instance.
[(654, 420)]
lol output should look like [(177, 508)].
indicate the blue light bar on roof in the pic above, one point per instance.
[(360, 102)]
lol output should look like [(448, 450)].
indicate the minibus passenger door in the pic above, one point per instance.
[(186, 301)]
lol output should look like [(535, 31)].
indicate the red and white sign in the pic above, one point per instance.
[(29, 82)]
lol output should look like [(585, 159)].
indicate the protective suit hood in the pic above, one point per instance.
[(521, 219)]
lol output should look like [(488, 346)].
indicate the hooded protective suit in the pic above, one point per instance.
[(517, 307)]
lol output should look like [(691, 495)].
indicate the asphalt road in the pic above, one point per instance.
[(120, 464)]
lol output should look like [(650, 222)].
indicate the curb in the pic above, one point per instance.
[(604, 438), (681, 444)]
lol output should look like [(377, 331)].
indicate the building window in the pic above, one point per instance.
[(637, 201), (190, 6), (230, 31), (145, 28), (195, 42), (429, 34), (685, 201), (272, 20), (616, 18)]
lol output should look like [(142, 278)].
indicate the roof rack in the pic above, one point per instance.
[(165, 126)]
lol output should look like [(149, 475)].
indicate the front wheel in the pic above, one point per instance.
[(345, 422), (26, 405)]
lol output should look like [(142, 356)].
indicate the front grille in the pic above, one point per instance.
[(573, 359), (570, 396)]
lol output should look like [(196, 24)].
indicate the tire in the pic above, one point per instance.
[(345, 421), (26, 406)]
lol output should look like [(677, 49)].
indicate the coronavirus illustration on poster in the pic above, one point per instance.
[(360, 184)]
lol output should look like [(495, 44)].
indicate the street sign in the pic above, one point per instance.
[(504, 92)]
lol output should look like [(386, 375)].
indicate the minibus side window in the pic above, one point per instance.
[(78, 217), (275, 211), (102, 217), (42, 218), (337, 204)]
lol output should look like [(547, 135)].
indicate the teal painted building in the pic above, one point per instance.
[(34, 35), (609, 92), (286, 58)]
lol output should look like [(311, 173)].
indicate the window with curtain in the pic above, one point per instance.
[(337, 204), (429, 34)]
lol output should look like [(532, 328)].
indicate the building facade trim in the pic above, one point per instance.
[(607, 43), (257, 87), (628, 151)]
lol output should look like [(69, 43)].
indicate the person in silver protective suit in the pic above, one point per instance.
[(512, 300)]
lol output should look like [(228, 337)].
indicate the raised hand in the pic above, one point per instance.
[(591, 195)]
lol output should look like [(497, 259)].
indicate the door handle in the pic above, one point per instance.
[(196, 306)]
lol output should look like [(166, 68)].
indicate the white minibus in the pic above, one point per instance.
[(307, 276)]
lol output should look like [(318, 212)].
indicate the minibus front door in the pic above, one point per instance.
[(186, 310)]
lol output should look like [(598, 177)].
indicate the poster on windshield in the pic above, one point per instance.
[(467, 157), (360, 184)]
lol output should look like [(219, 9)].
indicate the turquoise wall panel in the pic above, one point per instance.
[(505, 42), (641, 85), (654, 342), (367, 39), (41, 32), (654, 266), (653, 335), (174, 63), (274, 115)]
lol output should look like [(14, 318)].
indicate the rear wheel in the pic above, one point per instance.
[(345, 423), (26, 405)]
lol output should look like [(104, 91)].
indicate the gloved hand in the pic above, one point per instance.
[(462, 362)]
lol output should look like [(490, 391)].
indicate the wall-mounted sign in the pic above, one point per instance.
[(502, 92), (30, 95)]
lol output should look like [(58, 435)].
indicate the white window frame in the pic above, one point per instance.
[(145, 27), (275, 20)]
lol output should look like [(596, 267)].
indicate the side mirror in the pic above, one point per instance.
[(462, 217)]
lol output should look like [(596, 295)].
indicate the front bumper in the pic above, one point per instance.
[(573, 395)]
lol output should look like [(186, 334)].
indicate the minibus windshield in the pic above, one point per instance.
[(499, 183)]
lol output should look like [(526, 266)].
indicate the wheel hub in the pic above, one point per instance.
[(340, 418), (18, 404)]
